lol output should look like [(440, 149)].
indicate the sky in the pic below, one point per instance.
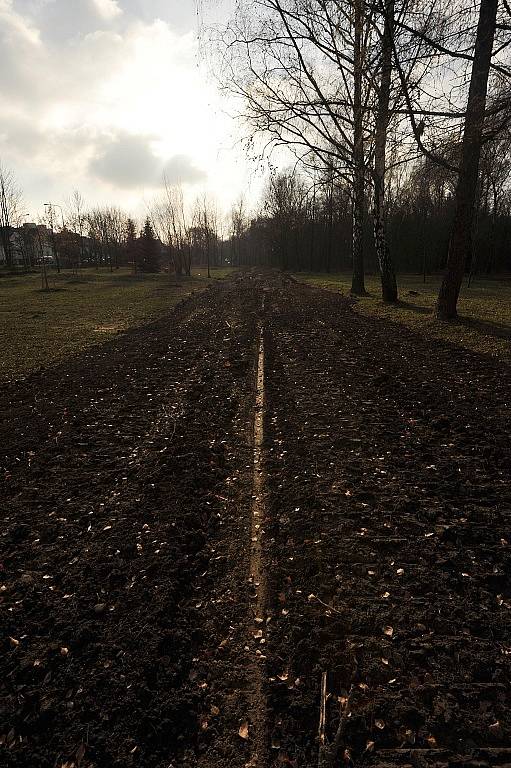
[(105, 96)]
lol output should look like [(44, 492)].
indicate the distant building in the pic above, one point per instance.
[(29, 244)]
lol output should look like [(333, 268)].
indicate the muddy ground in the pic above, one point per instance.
[(127, 607)]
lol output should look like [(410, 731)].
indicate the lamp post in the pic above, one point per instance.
[(56, 205)]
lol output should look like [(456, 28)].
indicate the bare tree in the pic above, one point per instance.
[(107, 229), (11, 202), (285, 202), (319, 78), (77, 222), (205, 229), (469, 51), (300, 70), (238, 225), (461, 236), (170, 220)]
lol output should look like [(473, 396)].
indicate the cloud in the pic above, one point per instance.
[(181, 170), (106, 96), (126, 161), (129, 162), (108, 9), (15, 26)]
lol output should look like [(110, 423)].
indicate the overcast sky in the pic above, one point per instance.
[(103, 96)]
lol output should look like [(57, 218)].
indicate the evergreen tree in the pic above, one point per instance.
[(132, 255), (149, 251)]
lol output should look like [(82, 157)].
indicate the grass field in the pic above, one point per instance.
[(39, 328), (484, 323)]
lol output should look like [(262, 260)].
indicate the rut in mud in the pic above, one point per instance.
[(258, 576), (207, 517)]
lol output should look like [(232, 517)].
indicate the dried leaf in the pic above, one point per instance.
[(389, 631), (80, 754), (380, 724), (243, 730)]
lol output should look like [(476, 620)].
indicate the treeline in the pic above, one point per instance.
[(305, 223)]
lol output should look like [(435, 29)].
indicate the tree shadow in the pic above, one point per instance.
[(487, 327), (495, 329), (417, 308)]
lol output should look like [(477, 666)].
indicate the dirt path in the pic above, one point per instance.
[(205, 518)]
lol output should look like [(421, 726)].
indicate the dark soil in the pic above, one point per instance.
[(125, 545)]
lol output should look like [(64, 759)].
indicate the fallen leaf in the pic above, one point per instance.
[(243, 730), (389, 631), (80, 754)]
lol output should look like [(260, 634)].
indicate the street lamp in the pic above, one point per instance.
[(56, 205)]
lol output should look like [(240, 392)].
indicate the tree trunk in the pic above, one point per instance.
[(313, 229), (387, 273), (461, 234), (329, 244), (357, 283)]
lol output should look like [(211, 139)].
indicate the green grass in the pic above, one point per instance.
[(484, 309), (40, 328)]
